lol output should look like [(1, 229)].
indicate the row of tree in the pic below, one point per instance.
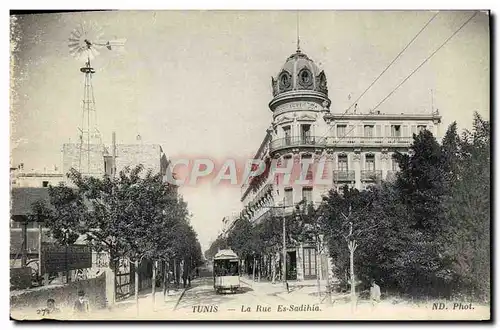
[(428, 231), (134, 215), (425, 233)]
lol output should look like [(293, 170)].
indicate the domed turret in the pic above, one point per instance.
[(299, 73)]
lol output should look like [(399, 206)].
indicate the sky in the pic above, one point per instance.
[(199, 82)]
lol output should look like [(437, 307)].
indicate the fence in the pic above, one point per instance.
[(64, 295)]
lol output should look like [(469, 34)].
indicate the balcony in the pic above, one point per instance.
[(371, 175), (398, 140), (347, 141), (294, 141), (343, 176), (367, 141)]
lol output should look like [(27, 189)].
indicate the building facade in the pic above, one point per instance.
[(353, 148), (99, 160)]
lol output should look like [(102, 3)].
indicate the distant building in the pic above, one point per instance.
[(228, 224), (100, 161)]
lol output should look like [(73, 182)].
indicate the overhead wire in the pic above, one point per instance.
[(412, 73), (385, 69)]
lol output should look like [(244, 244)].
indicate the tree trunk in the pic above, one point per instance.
[(111, 281), (273, 268), (353, 282), (136, 291), (175, 272), (168, 277), (254, 265), (317, 272), (153, 289), (164, 282)]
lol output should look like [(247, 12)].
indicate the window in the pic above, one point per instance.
[(307, 194), (342, 163), (420, 128), (306, 133), (341, 130), (307, 161), (45, 184), (396, 130), (368, 130), (370, 163), (287, 134), (288, 196)]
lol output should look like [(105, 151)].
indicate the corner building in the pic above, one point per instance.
[(356, 149)]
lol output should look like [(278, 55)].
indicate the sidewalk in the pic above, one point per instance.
[(305, 292), (127, 309)]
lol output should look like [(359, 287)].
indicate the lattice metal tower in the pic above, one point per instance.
[(83, 43), (90, 137)]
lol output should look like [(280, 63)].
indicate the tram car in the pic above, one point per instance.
[(226, 270)]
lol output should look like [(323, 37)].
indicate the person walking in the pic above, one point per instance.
[(81, 306), (374, 294)]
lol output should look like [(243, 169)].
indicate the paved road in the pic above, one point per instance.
[(250, 302)]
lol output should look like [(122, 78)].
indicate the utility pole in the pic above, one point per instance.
[(317, 266), (284, 246)]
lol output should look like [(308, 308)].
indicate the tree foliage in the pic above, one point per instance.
[(134, 215), (427, 232)]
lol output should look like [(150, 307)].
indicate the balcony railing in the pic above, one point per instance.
[(371, 175), (347, 141), (293, 141), (343, 176)]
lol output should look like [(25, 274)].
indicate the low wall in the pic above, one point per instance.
[(20, 278), (64, 295)]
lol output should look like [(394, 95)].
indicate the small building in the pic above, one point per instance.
[(25, 234)]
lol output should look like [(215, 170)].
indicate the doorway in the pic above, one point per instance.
[(309, 263), (291, 265)]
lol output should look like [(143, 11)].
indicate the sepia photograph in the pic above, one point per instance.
[(254, 165)]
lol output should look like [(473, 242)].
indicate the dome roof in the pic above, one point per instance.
[(299, 73)]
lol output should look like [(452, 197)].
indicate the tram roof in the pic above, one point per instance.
[(226, 254)]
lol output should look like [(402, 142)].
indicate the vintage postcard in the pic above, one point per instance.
[(250, 165)]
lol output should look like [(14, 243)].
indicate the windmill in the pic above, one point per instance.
[(84, 44)]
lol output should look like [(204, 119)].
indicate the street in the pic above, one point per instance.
[(265, 301), (201, 302)]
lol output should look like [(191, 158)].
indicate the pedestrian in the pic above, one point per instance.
[(197, 272), (374, 293), (184, 279), (189, 280), (51, 306), (81, 306)]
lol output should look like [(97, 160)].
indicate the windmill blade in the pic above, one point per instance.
[(118, 42), (94, 51), (74, 45), (111, 43), (76, 34)]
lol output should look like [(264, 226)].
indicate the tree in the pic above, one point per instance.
[(346, 221), (129, 216), (468, 208), (451, 153), (219, 244)]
